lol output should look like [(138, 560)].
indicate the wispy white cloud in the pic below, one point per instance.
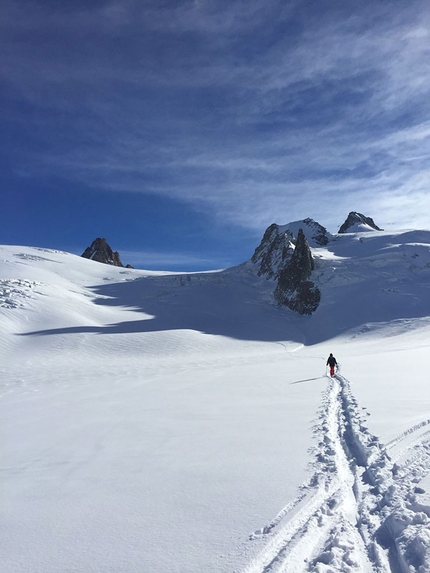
[(175, 261), (249, 110)]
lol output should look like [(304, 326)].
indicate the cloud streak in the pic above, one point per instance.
[(173, 261), (245, 110)]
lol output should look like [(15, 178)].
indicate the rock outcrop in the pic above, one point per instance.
[(285, 256), (278, 244), (101, 252), (293, 289), (275, 248), (358, 222)]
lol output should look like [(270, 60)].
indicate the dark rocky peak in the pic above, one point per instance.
[(301, 264), (101, 252), (356, 223), (294, 290), (276, 246)]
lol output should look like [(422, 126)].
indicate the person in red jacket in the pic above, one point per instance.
[(331, 361)]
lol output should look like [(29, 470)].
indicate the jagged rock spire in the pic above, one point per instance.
[(284, 255), (278, 243), (101, 252), (294, 290), (274, 249)]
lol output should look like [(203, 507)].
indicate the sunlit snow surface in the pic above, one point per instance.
[(156, 422)]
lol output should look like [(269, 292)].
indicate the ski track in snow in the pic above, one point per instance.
[(360, 511)]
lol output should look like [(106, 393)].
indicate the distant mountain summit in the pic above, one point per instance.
[(285, 255), (101, 252), (279, 241), (356, 222)]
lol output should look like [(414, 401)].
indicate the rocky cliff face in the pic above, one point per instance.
[(288, 259), (285, 255), (293, 289), (278, 244), (275, 248), (358, 222), (101, 252)]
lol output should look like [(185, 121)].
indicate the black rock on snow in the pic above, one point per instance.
[(288, 259), (275, 248), (278, 243), (355, 218), (101, 252), (294, 290)]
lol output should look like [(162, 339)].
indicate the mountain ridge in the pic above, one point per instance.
[(285, 255), (365, 278)]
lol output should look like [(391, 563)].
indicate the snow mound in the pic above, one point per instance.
[(14, 291)]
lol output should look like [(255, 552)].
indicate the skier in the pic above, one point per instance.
[(331, 361)]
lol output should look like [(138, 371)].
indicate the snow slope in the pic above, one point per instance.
[(165, 422)]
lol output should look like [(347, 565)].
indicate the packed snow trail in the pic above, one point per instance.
[(359, 511)]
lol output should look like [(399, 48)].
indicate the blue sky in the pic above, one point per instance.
[(180, 130)]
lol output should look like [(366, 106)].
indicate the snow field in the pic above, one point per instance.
[(156, 422)]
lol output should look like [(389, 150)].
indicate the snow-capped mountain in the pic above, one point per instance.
[(278, 244), (164, 422), (303, 286), (356, 222), (284, 255)]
